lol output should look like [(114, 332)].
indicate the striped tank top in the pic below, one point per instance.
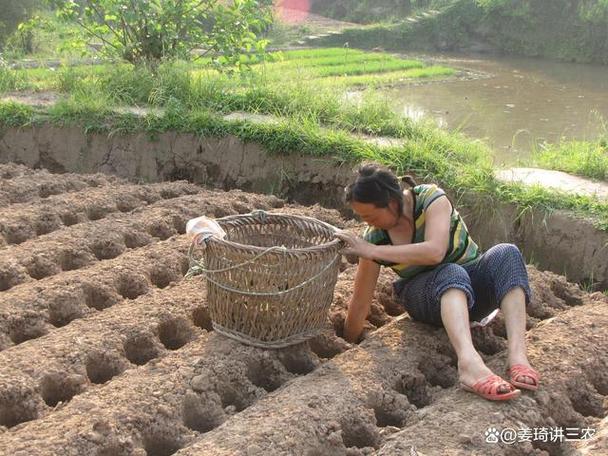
[(461, 248)]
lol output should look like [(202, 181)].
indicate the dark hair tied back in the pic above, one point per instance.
[(377, 185), (409, 180)]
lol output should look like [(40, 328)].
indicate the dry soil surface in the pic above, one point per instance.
[(106, 350)]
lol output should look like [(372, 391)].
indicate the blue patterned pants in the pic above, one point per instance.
[(484, 281)]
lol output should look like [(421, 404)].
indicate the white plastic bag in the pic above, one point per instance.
[(201, 228), (484, 321)]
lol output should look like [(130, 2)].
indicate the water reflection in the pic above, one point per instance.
[(523, 102)]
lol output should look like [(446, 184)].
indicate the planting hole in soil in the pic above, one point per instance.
[(131, 286), (201, 318), (59, 387), (17, 407), (174, 333), (99, 297), (102, 367), (201, 414), (141, 348)]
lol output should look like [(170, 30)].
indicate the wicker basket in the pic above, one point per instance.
[(271, 280)]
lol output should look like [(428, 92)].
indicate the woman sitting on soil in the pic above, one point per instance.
[(444, 279)]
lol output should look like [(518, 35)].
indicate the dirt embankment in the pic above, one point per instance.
[(113, 353), (229, 163)]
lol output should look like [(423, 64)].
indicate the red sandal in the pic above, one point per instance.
[(519, 370), (488, 386)]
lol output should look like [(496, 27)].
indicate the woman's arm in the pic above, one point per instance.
[(429, 252), (360, 303)]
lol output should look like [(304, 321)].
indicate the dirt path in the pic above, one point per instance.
[(316, 22), (116, 354)]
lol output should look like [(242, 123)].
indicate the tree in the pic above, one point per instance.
[(146, 31), (12, 13), (594, 11)]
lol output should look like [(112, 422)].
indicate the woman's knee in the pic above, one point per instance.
[(505, 269), (505, 252), (453, 283), (452, 272)]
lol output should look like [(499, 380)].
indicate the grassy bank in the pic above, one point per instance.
[(315, 118), (454, 27), (370, 11), (433, 155), (583, 158), (305, 85)]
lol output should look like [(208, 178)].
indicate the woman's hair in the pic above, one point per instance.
[(377, 185)]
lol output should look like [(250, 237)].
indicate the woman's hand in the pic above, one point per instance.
[(356, 245), (359, 333)]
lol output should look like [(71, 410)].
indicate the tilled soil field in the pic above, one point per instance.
[(106, 350)]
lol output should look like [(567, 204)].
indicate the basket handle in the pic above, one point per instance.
[(197, 268), (274, 293)]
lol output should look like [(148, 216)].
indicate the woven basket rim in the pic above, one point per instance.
[(327, 245)]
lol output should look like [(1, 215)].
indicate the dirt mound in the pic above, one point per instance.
[(106, 350)]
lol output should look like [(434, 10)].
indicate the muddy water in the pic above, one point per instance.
[(520, 103)]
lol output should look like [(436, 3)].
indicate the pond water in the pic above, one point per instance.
[(520, 102)]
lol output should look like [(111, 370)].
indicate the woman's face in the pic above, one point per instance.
[(380, 217)]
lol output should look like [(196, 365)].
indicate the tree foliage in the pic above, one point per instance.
[(12, 13), (141, 31), (593, 11)]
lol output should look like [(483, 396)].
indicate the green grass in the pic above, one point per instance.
[(449, 158), (316, 119), (346, 58), (11, 80), (588, 159), (392, 78), (359, 68), (16, 114)]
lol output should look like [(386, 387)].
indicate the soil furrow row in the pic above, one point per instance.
[(51, 370), (55, 368), (34, 357), (47, 373), (21, 222), (24, 187), (81, 245), (29, 312), (403, 377), (160, 407)]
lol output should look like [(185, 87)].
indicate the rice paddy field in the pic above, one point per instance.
[(336, 67), (348, 68)]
